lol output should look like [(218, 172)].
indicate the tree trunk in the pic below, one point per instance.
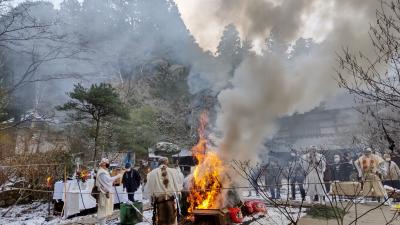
[(96, 138)]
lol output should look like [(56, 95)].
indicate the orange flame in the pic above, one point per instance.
[(199, 150), (206, 183), (49, 181)]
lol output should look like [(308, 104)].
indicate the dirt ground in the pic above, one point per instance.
[(380, 216)]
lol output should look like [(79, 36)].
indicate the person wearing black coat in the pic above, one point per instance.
[(331, 173), (131, 181), (296, 174), (273, 179), (338, 171), (346, 168)]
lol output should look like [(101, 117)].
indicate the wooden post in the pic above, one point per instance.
[(49, 207)]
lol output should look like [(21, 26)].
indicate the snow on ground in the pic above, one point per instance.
[(32, 214), (36, 213)]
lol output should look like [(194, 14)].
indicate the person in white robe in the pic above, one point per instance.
[(164, 184), (104, 182), (314, 164), (180, 178), (368, 170)]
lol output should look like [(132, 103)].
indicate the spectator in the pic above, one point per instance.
[(390, 172), (254, 176), (331, 173), (273, 179), (346, 168), (296, 174), (143, 170), (315, 165), (131, 181)]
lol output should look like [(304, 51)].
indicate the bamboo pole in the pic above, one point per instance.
[(65, 190)]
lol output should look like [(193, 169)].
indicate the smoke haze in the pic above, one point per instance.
[(267, 87)]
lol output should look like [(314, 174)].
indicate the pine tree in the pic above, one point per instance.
[(230, 46), (275, 46), (97, 103)]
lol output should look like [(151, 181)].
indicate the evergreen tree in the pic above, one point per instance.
[(275, 46), (97, 104), (230, 46)]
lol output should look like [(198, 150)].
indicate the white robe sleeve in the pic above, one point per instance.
[(179, 178), (106, 181), (149, 186)]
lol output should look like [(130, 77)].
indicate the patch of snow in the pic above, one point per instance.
[(32, 214), (36, 213)]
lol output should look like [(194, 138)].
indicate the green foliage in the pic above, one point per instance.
[(164, 91), (98, 104), (99, 101), (140, 150), (140, 131), (326, 212)]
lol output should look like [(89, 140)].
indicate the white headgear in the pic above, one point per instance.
[(104, 160)]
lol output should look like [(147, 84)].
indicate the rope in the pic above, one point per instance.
[(171, 192), (31, 165), (57, 164)]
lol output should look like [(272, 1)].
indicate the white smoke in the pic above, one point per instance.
[(265, 88)]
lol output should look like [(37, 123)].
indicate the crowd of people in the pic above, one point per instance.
[(314, 173)]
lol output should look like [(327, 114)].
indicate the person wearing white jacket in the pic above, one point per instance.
[(104, 182)]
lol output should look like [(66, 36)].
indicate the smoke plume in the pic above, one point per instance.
[(267, 87)]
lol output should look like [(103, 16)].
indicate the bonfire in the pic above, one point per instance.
[(206, 186), (211, 198)]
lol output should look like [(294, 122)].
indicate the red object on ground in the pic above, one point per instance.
[(236, 215), (248, 207), (259, 206)]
